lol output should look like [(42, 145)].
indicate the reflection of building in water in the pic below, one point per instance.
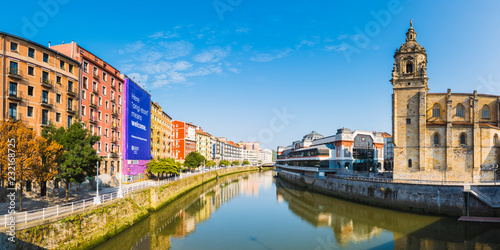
[(346, 229), (250, 185)]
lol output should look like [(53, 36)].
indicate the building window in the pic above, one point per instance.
[(45, 57), (107, 118), (99, 116), (13, 111), (408, 121), (485, 112), (31, 71), (58, 80), (104, 90), (409, 163), (436, 111), (106, 132), (463, 139), (100, 101), (61, 64), (85, 83), (58, 117), (106, 147), (45, 117), (460, 110), (435, 139), (70, 68), (107, 104), (31, 52), (99, 130), (58, 98), (409, 67), (96, 73), (70, 120), (104, 76), (30, 111), (13, 47), (85, 67), (98, 147), (84, 94), (30, 90), (83, 110), (13, 89), (45, 96)]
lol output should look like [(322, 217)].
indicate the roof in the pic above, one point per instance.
[(40, 45), (386, 135)]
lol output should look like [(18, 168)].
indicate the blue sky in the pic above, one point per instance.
[(273, 71)]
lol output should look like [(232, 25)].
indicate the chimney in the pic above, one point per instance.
[(49, 44)]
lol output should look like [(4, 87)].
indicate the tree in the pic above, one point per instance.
[(246, 162), (210, 163), (79, 159), (164, 166), (194, 160), (224, 163), (20, 139), (48, 155), (234, 163)]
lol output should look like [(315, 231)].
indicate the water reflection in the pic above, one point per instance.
[(355, 223), (180, 218), (256, 211)]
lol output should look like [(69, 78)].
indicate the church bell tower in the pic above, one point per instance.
[(409, 81)]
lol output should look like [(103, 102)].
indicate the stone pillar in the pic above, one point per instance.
[(476, 140), (449, 132), (422, 128)]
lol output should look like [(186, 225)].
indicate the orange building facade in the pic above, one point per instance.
[(184, 139), (38, 84)]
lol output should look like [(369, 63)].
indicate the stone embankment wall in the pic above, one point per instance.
[(420, 198), (89, 228)]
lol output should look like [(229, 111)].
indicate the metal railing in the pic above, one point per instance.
[(80, 205)]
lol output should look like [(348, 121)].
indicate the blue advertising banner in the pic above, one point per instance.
[(137, 122)]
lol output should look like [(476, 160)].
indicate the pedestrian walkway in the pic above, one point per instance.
[(33, 201)]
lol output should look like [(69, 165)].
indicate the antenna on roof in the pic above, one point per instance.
[(49, 44)]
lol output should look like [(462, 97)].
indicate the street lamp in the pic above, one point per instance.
[(120, 190), (97, 199)]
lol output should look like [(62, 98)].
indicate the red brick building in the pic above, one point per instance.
[(184, 139), (100, 103)]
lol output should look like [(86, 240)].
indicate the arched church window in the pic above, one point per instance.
[(409, 67), (436, 110), (460, 110), (435, 139), (485, 112), (463, 139), (495, 140)]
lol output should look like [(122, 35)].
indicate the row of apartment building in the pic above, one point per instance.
[(58, 84)]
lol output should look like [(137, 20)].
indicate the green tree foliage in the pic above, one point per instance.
[(246, 162), (164, 166), (210, 163), (79, 159), (234, 163), (194, 160), (224, 163)]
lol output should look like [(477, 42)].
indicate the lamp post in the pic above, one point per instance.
[(97, 199), (120, 190)]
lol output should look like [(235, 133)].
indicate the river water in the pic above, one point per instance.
[(257, 211)]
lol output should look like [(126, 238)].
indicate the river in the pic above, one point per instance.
[(257, 211)]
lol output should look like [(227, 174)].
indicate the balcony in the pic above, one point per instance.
[(16, 116), (92, 119), (114, 126), (46, 83), (114, 139), (96, 76), (71, 109), (16, 96), (71, 91), (15, 73), (113, 86), (113, 155), (114, 113), (46, 102), (95, 91), (93, 105), (113, 100)]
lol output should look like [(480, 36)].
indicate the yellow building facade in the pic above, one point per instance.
[(38, 85), (440, 136), (161, 132)]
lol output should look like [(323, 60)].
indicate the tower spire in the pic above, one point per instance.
[(411, 23)]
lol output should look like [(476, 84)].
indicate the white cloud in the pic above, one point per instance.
[(308, 43), (242, 30), (336, 48), (176, 49), (265, 57), (212, 55)]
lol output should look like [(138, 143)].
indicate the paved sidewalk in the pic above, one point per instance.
[(33, 201)]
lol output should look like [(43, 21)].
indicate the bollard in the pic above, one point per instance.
[(57, 209), (25, 217), (72, 207), (83, 204), (43, 214)]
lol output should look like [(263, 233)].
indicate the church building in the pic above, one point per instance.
[(440, 136)]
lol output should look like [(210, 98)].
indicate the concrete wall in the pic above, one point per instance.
[(428, 199)]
